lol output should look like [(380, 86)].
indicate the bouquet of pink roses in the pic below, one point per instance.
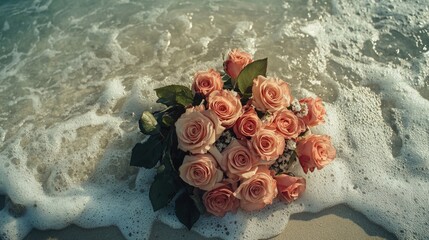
[(230, 141)]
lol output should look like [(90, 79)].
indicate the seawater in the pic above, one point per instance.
[(76, 75)]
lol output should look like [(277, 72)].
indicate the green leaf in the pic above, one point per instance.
[(186, 211), (167, 160), (176, 111), (160, 169), (174, 94), (250, 72), (167, 117), (167, 120), (198, 203), (184, 99), (148, 153), (176, 155), (227, 82), (162, 190), (148, 124)]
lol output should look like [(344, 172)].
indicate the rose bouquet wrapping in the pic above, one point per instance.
[(229, 142)]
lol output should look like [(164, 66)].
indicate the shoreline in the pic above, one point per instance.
[(338, 222)]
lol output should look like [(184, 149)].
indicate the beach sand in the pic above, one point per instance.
[(339, 222)]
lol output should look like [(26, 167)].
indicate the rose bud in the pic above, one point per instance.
[(235, 62), (148, 123)]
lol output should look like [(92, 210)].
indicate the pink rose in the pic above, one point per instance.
[(257, 191), (235, 62), (302, 125), (267, 144), (247, 125), (238, 160), (227, 106), (207, 82), (315, 151), (289, 188), (220, 200), (316, 111), (197, 130), (287, 124), (270, 94), (200, 171)]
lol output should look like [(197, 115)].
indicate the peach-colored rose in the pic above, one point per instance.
[(206, 82), (302, 125), (227, 106), (316, 111), (200, 171), (197, 130), (247, 125), (238, 160), (235, 62), (287, 124), (315, 151), (270, 94), (257, 191), (267, 144), (289, 188), (220, 200)]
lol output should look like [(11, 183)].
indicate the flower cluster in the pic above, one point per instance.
[(247, 166), (231, 140)]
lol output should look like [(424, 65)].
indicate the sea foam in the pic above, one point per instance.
[(75, 76)]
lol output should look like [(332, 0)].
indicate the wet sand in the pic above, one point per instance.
[(339, 222)]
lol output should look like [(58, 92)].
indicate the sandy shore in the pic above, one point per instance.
[(339, 222)]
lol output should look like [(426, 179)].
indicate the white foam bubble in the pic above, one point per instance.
[(313, 29), (77, 88), (245, 35), (112, 94), (40, 5), (5, 26)]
